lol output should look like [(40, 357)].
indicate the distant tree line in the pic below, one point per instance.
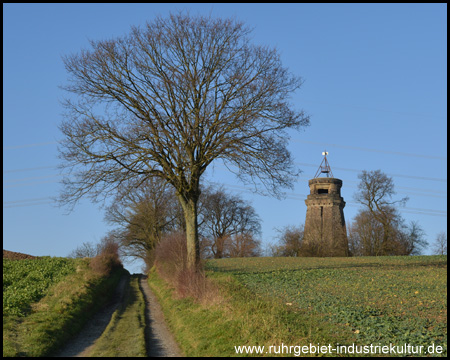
[(148, 212)]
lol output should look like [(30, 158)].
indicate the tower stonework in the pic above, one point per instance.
[(325, 232)]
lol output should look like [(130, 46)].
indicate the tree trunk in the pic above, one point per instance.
[(219, 246), (190, 214)]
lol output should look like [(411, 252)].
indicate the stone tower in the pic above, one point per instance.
[(325, 233)]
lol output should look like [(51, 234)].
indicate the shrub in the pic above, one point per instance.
[(194, 283), (171, 265), (108, 258), (170, 256)]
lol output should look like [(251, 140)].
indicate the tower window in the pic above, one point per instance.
[(322, 191)]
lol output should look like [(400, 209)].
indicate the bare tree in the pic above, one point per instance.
[(290, 241), (166, 101), (354, 241), (412, 239), (366, 235), (144, 214), (224, 216), (147, 213), (243, 245), (375, 194), (87, 249), (379, 229), (440, 244)]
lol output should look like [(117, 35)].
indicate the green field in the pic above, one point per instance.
[(27, 281), (48, 300), (254, 302), (375, 300)]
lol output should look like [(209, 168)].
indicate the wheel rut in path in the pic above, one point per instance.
[(81, 344), (159, 340)]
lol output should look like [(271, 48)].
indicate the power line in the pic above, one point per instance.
[(295, 196), (304, 178), (430, 212), (30, 145), (370, 150), (418, 189), (30, 184), (376, 109), (297, 163), (26, 205), (394, 175), (403, 210), (26, 200), (32, 178), (358, 171), (294, 140), (29, 169), (292, 196)]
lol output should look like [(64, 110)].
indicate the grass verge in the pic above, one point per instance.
[(125, 334), (240, 318), (59, 315)]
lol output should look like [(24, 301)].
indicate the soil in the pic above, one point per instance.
[(17, 255), (159, 340)]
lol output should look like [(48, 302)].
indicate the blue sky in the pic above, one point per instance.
[(375, 88)]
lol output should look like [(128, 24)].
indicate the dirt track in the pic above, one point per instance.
[(159, 340)]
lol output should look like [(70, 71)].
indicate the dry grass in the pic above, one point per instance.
[(171, 265)]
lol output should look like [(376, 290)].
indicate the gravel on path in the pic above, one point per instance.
[(80, 345), (160, 341)]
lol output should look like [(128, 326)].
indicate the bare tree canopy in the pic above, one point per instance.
[(147, 213), (227, 220), (290, 241), (440, 244), (379, 229), (144, 214), (376, 190), (170, 98)]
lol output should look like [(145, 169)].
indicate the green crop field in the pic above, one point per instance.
[(375, 300), (47, 300), (27, 281)]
